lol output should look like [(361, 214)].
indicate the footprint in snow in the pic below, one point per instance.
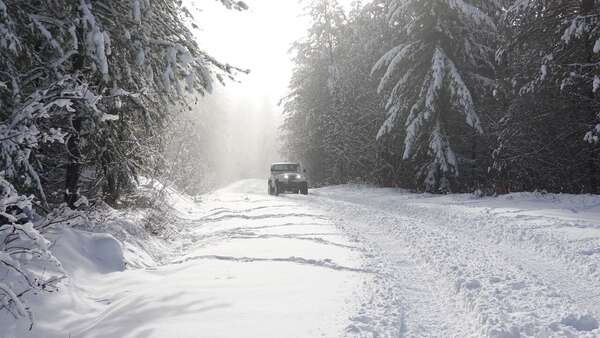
[(581, 323)]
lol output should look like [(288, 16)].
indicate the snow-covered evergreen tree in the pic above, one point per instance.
[(102, 75), (312, 102), (442, 62), (551, 57), (333, 110)]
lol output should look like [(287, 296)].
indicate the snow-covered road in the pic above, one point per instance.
[(522, 265), (248, 265), (352, 261)]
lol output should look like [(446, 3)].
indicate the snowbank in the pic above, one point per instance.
[(82, 252), (88, 246)]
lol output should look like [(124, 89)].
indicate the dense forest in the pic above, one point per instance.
[(449, 96), (91, 90)]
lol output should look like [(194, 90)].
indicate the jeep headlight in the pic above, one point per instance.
[(286, 176)]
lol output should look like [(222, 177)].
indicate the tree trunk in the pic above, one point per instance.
[(111, 186), (74, 166), (593, 171), (474, 178), (587, 6), (73, 171)]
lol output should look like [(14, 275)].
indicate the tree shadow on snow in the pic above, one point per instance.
[(137, 317)]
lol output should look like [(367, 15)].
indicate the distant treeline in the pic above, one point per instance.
[(449, 95)]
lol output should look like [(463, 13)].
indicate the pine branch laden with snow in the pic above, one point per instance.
[(130, 59), (571, 55), (165, 59), (427, 81), (9, 41), (593, 136), (26, 264), (155, 63), (550, 64), (37, 122), (232, 4)]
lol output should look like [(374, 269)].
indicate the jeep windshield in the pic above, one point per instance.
[(289, 167)]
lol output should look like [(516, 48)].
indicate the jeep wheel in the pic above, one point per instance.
[(304, 189)]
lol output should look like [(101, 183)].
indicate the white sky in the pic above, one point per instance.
[(257, 39)]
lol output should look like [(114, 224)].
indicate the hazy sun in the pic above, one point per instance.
[(258, 39)]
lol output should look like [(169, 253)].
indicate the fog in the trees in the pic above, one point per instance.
[(247, 137), (244, 141)]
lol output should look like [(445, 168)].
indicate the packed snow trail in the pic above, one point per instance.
[(523, 265), (251, 265), (344, 261)]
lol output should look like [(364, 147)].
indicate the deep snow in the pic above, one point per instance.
[(351, 261)]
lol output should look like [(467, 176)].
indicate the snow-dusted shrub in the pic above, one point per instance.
[(26, 264), (41, 121), (150, 198)]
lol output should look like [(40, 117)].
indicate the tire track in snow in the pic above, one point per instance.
[(500, 286), (406, 300), (259, 217), (324, 263), (301, 237), (218, 211)]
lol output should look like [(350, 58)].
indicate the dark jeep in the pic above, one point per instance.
[(286, 177)]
